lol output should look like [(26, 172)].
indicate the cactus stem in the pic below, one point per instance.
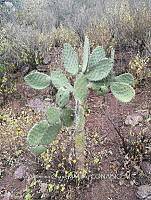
[(79, 138)]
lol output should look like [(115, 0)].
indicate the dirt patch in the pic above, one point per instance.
[(110, 174)]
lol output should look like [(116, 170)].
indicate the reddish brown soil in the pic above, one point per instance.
[(106, 115)]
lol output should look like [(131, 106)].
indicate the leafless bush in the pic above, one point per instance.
[(130, 23), (23, 45), (40, 24)]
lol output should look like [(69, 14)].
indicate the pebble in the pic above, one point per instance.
[(20, 173), (146, 167), (133, 119), (43, 187), (144, 192), (7, 196)]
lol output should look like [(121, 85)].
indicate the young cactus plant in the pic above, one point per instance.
[(96, 73)]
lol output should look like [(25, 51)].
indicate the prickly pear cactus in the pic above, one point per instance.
[(97, 55), (86, 53), (81, 88), (38, 80), (70, 59), (59, 80), (96, 72), (62, 97), (41, 135)]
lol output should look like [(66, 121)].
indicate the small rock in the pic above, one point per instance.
[(43, 187), (42, 68), (133, 119), (20, 173), (143, 192), (144, 113), (25, 69), (146, 167), (7, 196), (47, 60)]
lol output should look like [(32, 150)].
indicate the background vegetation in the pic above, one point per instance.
[(32, 34)]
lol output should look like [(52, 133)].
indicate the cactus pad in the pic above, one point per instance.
[(97, 55), (101, 70), (37, 150), (42, 134), (53, 115), (103, 90), (81, 88), (86, 52), (67, 117), (125, 78), (122, 91), (38, 80), (59, 80), (70, 59), (62, 97)]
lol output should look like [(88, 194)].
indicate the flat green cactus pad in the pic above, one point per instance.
[(67, 117), (101, 70), (38, 80), (86, 52), (125, 78), (37, 150), (59, 80), (62, 97), (97, 55), (42, 134), (53, 115), (70, 59), (81, 88), (122, 91)]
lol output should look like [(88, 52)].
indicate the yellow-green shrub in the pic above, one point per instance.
[(63, 35), (100, 35), (7, 86), (129, 24), (14, 127), (138, 66), (24, 46)]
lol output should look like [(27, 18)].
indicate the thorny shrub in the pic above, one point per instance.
[(36, 26)]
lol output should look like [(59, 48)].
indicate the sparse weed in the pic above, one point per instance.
[(100, 34), (15, 127), (7, 86), (138, 66), (63, 35)]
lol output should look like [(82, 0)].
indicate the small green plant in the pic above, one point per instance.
[(138, 66), (28, 195), (63, 35), (96, 73), (7, 85)]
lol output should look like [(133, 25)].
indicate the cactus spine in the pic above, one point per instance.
[(95, 73)]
